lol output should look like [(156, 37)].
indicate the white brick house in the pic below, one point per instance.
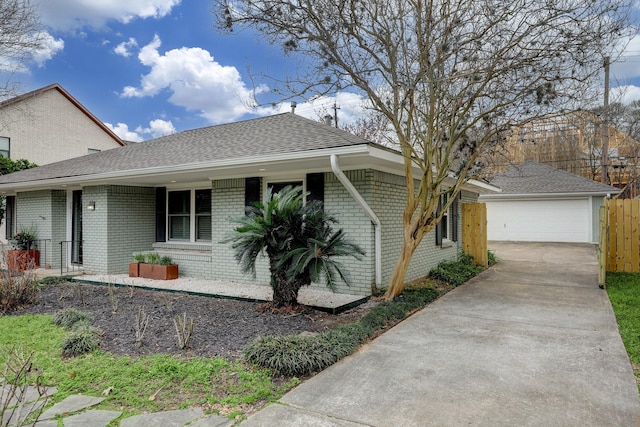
[(175, 194), (49, 125)]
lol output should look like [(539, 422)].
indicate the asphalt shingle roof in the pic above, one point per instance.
[(278, 134), (535, 178)]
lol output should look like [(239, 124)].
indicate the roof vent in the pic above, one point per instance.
[(328, 120)]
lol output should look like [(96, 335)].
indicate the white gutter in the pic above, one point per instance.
[(335, 167)]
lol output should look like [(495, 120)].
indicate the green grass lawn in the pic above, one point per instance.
[(624, 294), (226, 387)]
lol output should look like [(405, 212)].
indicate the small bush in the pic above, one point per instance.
[(67, 317), (491, 256), (83, 339), (303, 355), (455, 272), (17, 290)]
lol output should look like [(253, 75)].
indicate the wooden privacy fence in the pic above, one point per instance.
[(619, 240), (474, 232)]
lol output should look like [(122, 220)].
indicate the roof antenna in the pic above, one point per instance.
[(294, 104)]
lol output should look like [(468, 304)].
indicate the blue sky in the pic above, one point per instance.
[(151, 67)]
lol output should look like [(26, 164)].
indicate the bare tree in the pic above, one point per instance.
[(373, 127), (450, 76), (20, 37)]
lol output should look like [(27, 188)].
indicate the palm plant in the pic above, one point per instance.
[(298, 239)]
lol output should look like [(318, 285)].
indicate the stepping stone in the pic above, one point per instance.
[(30, 394), (93, 418), (48, 423), (176, 418), (71, 404), (11, 417), (210, 421)]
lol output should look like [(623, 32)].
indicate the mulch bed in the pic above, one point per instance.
[(221, 327)]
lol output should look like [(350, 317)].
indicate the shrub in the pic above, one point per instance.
[(17, 289), (83, 339), (303, 355), (67, 317), (491, 256), (455, 272)]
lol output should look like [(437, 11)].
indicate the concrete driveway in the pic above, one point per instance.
[(531, 342)]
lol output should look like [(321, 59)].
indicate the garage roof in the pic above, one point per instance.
[(535, 178)]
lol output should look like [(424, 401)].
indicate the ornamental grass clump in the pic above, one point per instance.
[(83, 339), (67, 317), (297, 355)]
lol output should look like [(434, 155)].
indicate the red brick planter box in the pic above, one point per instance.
[(134, 270), (158, 272), (21, 260)]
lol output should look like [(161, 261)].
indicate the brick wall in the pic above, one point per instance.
[(357, 226), (48, 128), (227, 201), (122, 223), (389, 198)]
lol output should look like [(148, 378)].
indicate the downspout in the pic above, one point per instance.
[(335, 167)]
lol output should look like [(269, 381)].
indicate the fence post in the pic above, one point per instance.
[(602, 246), (474, 232)]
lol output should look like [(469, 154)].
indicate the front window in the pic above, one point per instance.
[(445, 217), (189, 215), (5, 146), (276, 187)]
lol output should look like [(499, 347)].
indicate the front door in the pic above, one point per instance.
[(76, 228)]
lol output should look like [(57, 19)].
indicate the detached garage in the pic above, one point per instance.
[(540, 203)]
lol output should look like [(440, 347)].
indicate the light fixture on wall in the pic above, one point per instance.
[(91, 206)]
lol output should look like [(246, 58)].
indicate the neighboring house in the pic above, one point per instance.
[(539, 203), (175, 195), (49, 125)]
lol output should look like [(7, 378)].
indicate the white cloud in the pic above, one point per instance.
[(122, 130), (50, 46), (158, 128), (124, 48), (351, 107), (196, 82), (625, 94), (75, 14)]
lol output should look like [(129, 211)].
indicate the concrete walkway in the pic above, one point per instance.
[(531, 342)]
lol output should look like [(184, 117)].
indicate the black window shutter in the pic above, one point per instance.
[(9, 211), (454, 219), (315, 187), (251, 191), (439, 224), (161, 214)]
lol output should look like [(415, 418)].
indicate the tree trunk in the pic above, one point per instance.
[(400, 270), (285, 292)]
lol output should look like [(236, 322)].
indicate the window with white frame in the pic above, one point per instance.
[(5, 146), (189, 215)]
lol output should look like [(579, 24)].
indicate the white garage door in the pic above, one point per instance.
[(539, 220)]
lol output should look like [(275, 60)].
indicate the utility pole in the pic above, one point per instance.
[(605, 125), (335, 113)]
